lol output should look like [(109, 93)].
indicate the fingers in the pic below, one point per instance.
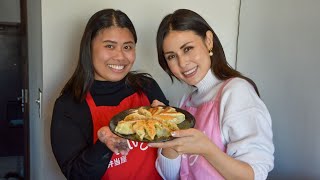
[(113, 142), (111, 147), (102, 135), (168, 144), (156, 103), (183, 137), (157, 145), (117, 146), (183, 133), (124, 152)]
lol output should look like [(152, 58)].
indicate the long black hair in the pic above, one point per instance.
[(83, 77), (187, 20)]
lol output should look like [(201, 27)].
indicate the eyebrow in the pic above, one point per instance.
[(114, 42), (183, 46)]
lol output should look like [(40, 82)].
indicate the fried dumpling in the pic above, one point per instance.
[(172, 126), (162, 130), (144, 112), (156, 110), (134, 116), (177, 117), (148, 123), (150, 128), (168, 109), (161, 117), (125, 127), (139, 129)]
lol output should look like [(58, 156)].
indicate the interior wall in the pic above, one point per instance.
[(10, 11), (63, 26), (279, 47)]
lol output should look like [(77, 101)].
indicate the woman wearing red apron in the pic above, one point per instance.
[(102, 86)]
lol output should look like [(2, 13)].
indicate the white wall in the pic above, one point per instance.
[(10, 11), (279, 47), (63, 25)]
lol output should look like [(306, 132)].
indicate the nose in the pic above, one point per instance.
[(183, 61), (118, 54)]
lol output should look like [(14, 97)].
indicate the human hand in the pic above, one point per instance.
[(188, 141), (115, 143), (157, 103)]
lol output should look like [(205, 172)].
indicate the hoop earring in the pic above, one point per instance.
[(210, 52)]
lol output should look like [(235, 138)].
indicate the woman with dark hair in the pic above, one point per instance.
[(102, 86), (232, 138)]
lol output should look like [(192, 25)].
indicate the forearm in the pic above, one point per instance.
[(78, 158), (91, 163), (227, 166), (72, 142)]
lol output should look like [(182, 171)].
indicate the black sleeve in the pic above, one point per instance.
[(72, 142), (154, 92)]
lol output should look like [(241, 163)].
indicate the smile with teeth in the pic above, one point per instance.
[(117, 67), (190, 71)]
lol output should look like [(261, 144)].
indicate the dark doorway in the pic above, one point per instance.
[(14, 122)]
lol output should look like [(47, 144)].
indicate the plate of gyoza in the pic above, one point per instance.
[(151, 124)]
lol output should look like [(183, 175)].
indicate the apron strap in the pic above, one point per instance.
[(218, 96)]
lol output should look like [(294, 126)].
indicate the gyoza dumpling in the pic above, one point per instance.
[(139, 129), (162, 131), (144, 112), (177, 117), (134, 116), (151, 129), (161, 117), (125, 127), (156, 110), (169, 109), (172, 126)]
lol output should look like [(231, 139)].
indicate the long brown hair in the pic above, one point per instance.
[(83, 77), (187, 20)]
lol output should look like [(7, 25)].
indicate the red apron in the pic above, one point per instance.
[(140, 161)]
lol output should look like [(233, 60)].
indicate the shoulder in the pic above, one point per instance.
[(239, 95), (239, 84), (65, 103), (68, 113), (64, 99), (238, 87)]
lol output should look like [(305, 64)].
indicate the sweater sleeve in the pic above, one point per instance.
[(246, 127), (168, 168), (72, 142)]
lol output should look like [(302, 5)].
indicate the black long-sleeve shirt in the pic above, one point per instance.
[(72, 129)]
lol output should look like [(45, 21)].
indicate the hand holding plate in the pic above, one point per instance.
[(187, 141), (115, 143)]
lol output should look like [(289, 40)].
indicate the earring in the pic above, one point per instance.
[(210, 52)]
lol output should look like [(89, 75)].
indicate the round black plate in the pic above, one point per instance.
[(189, 122)]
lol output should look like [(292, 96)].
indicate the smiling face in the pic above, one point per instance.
[(187, 55), (113, 53)]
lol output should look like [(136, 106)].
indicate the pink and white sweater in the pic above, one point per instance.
[(245, 125)]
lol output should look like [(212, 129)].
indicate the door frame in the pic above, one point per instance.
[(25, 86)]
